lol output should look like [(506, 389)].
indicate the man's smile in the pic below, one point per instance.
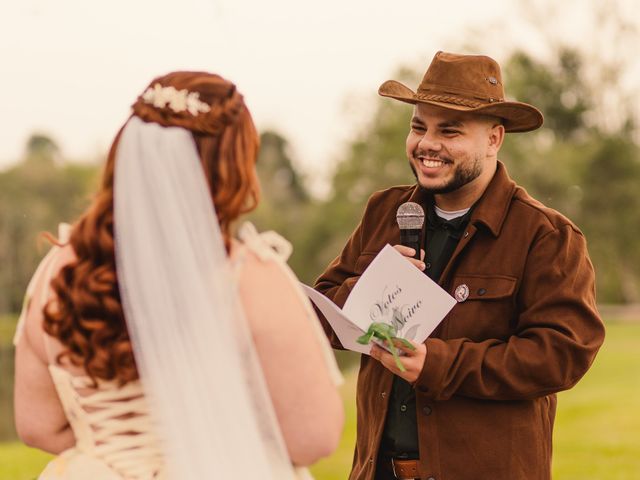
[(430, 162)]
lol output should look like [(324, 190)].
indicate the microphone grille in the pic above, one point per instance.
[(410, 216)]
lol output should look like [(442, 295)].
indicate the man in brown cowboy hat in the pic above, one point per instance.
[(477, 400)]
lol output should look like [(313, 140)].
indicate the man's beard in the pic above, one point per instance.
[(461, 176)]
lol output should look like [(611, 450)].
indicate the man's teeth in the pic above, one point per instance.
[(432, 163)]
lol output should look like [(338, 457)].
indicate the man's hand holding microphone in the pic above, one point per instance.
[(410, 218)]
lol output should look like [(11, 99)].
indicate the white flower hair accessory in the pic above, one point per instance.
[(176, 100)]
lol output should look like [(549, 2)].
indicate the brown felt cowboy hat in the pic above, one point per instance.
[(467, 83)]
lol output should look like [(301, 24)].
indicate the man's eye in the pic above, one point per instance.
[(448, 131), (418, 128)]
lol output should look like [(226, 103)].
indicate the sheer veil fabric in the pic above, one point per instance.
[(191, 341)]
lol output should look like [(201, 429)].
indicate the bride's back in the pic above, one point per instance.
[(146, 271)]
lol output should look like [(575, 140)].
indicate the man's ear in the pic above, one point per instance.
[(496, 137)]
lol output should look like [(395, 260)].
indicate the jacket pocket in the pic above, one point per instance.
[(486, 287), (485, 308)]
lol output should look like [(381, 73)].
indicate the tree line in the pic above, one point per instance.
[(578, 163)]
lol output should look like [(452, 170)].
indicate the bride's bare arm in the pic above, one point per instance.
[(306, 400), (39, 416)]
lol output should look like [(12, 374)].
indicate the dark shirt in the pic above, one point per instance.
[(400, 436)]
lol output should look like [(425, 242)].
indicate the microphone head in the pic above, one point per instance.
[(410, 216)]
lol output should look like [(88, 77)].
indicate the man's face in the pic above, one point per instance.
[(448, 150)]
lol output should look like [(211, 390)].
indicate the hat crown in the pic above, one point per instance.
[(476, 77), (467, 83)]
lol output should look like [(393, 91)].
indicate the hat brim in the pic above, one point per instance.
[(516, 116)]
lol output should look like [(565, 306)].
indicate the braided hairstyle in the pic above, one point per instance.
[(86, 316)]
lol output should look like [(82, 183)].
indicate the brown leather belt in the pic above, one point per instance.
[(405, 469)]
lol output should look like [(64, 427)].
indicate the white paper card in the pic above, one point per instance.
[(345, 329), (393, 291)]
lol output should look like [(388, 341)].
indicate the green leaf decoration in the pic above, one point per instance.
[(386, 332)]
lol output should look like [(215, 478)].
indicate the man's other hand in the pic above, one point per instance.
[(412, 360)]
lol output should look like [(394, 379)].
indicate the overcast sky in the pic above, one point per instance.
[(71, 68)]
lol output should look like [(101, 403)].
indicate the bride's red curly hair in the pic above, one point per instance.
[(86, 315)]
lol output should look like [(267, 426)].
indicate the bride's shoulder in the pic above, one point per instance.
[(267, 245), (39, 290), (260, 260)]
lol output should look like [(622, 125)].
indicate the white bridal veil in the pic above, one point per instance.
[(191, 342)]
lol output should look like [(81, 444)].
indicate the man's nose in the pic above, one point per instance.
[(429, 142)]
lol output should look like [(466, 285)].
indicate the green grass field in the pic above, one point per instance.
[(18, 462), (597, 432)]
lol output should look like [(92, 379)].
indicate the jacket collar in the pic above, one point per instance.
[(492, 207)]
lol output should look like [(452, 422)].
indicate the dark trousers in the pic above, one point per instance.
[(384, 470)]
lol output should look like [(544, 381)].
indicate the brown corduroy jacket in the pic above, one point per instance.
[(529, 328)]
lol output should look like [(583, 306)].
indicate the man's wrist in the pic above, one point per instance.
[(433, 371)]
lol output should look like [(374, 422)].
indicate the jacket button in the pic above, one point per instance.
[(383, 394), (403, 408), (431, 478), (466, 234), (482, 291), (427, 410)]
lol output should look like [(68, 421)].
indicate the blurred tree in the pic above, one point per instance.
[(558, 90), (374, 160), (41, 149), (35, 195), (580, 162), (610, 216), (285, 202)]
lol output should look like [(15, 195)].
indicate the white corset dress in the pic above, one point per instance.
[(114, 432)]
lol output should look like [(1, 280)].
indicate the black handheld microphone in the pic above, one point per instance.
[(410, 218)]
